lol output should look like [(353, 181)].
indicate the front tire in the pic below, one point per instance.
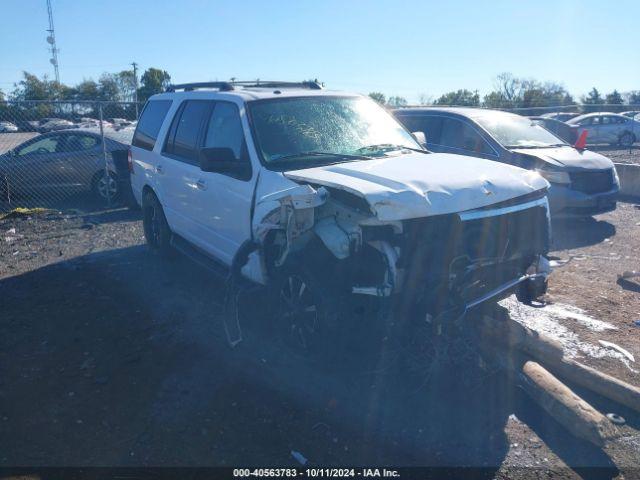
[(156, 229), (307, 315), (532, 289)]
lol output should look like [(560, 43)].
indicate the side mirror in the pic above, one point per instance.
[(420, 137), (223, 160)]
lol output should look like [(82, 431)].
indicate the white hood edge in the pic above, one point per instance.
[(420, 185)]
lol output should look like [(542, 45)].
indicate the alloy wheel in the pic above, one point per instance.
[(298, 314)]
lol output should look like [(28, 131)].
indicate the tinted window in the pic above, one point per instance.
[(185, 130), (225, 129), (431, 126), (460, 135), (79, 143), (150, 122), (44, 145)]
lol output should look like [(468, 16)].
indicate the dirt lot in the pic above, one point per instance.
[(111, 356), (618, 154)]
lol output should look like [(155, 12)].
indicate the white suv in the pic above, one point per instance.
[(323, 196)]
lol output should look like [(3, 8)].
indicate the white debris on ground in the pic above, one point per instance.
[(546, 320)]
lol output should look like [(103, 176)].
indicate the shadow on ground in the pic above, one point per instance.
[(119, 358), (579, 232)]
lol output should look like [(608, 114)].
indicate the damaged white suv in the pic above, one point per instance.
[(323, 196)]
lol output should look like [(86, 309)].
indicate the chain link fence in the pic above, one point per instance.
[(63, 155)]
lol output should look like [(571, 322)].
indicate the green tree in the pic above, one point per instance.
[(460, 97), (33, 88), (614, 98), (126, 85), (592, 100), (397, 101), (86, 90), (108, 88), (378, 97), (633, 97), (153, 81)]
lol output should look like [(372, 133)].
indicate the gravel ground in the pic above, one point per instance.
[(619, 154), (111, 356)]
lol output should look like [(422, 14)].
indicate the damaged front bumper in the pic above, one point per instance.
[(464, 260)]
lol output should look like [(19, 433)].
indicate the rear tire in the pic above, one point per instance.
[(156, 229), (106, 188), (627, 139)]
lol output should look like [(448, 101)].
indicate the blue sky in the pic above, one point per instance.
[(404, 48)]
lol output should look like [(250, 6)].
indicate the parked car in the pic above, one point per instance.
[(64, 161), (322, 196), (53, 124), (611, 128), (568, 133), (27, 125), (583, 182), (8, 127), (560, 116)]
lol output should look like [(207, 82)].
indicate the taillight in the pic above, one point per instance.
[(130, 162)]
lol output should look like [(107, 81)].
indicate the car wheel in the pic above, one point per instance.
[(626, 139), (4, 189), (307, 315), (155, 226), (531, 290), (105, 187)]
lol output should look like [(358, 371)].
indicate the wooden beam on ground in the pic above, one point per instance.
[(516, 337), (567, 408)]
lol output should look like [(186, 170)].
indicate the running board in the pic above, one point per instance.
[(198, 256)]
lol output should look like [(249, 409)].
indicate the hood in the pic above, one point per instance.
[(568, 157), (418, 185)]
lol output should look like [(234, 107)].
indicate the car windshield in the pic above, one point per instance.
[(321, 130), (515, 131)]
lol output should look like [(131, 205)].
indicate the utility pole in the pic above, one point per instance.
[(51, 40), (135, 92)]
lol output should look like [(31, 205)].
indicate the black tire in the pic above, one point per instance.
[(627, 139), (531, 290), (307, 315), (4, 189), (156, 229), (103, 190)]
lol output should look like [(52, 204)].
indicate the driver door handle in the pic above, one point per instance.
[(201, 184)]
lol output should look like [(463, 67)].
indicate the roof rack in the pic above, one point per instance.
[(312, 84), (187, 87), (228, 86)]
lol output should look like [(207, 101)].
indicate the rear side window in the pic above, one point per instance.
[(460, 135), (431, 126), (186, 129), (150, 123), (78, 143)]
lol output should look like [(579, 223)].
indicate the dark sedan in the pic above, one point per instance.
[(568, 133)]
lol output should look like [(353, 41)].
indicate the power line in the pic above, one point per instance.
[(135, 77)]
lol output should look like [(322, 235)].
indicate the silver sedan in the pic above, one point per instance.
[(610, 128)]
